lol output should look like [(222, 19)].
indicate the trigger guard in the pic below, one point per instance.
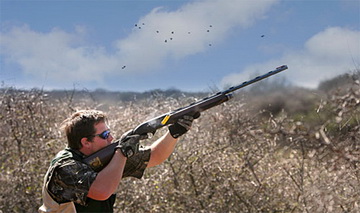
[(145, 136)]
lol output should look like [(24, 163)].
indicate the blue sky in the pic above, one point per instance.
[(189, 45)]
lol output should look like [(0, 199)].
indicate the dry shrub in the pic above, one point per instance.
[(233, 160), (28, 135)]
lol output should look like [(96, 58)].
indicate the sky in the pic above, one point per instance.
[(190, 45)]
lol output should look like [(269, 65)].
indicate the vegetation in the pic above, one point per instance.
[(291, 150)]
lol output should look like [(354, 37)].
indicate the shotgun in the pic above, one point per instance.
[(102, 157)]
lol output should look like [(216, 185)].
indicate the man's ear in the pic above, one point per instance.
[(85, 142)]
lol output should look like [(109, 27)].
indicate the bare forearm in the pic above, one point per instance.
[(162, 149), (108, 179)]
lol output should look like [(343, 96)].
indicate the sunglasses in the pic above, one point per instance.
[(104, 135)]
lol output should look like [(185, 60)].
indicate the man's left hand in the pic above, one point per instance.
[(182, 125)]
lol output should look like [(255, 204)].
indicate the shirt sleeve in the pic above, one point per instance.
[(136, 165), (71, 181)]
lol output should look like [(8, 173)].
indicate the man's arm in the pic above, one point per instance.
[(108, 179), (164, 146), (161, 149)]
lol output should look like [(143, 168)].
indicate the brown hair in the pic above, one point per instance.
[(81, 124)]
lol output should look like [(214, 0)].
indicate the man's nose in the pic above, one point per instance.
[(110, 138)]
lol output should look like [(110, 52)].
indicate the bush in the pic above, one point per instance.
[(233, 160)]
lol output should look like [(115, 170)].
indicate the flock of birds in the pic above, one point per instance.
[(140, 26), (172, 34)]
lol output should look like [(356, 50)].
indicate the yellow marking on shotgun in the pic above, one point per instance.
[(163, 122)]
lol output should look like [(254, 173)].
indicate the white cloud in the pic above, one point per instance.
[(189, 30), (56, 54), (327, 54)]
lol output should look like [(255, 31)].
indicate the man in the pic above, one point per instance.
[(70, 185)]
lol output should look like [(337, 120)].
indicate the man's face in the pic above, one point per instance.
[(98, 142)]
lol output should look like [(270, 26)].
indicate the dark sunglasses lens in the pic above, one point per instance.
[(105, 134)]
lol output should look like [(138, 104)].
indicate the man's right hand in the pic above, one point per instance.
[(129, 144)]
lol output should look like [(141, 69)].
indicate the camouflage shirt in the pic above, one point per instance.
[(69, 179)]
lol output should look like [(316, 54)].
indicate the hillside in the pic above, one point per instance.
[(284, 150)]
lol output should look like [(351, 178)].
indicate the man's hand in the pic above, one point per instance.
[(129, 144), (182, 125)]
